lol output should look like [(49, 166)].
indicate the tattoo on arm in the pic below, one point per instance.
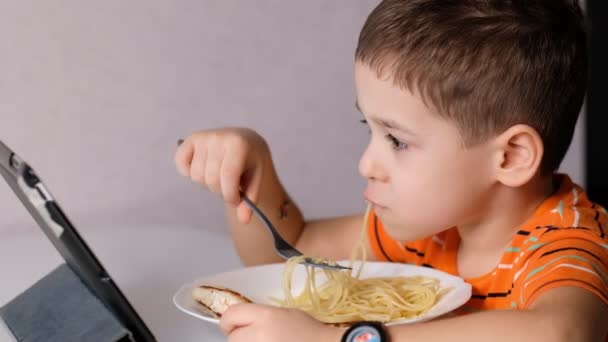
[(283, 209)]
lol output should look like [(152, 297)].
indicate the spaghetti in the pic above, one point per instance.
[(346, 298)]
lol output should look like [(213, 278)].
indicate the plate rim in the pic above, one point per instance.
[(461, 284)]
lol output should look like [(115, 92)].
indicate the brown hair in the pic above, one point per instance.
[(486, 64)]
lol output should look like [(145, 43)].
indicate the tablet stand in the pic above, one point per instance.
[(59, 307)]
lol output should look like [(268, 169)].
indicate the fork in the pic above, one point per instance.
[(283, 248)]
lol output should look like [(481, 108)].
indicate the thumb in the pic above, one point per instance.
[(243, 212), (237, 316)]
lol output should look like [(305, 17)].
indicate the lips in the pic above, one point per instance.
[(371, 200)]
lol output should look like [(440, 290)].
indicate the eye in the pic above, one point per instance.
[(398, 145)]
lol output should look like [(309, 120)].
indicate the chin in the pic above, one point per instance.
[(404, 232), (397, 231), (404, 237)]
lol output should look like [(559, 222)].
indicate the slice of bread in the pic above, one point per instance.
[(217, 299)]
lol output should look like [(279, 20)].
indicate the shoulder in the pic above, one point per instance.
[(568, 213), (568, 225), (564, 244)]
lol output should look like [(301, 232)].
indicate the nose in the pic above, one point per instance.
[(370, 166)]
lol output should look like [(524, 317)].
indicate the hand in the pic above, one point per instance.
[(263, 323), (225, 161)]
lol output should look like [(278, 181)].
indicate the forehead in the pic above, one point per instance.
[(378, 95)]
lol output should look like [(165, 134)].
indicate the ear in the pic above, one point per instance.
[(519, 152)]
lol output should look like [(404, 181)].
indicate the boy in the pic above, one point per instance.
[(471, 106)]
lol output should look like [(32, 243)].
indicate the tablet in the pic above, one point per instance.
[(45, 210)]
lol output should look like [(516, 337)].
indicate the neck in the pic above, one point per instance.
[(504, 213)]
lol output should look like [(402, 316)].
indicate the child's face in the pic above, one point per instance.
[(421, 178)]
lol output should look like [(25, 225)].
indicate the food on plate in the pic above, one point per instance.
[(341, 297), (345, 298), (217, 299)]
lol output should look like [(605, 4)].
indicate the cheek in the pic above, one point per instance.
[(437, 192), (425, 178), (422, 207)]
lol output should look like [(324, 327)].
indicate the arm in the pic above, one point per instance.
[(232, 159), (333, 238), (562, 314), (252, 241)]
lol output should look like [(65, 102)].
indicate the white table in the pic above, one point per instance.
[(149, 264)]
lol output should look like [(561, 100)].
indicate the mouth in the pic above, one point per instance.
[(372, 202)]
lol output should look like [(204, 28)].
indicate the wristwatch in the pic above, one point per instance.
[(365, 331)]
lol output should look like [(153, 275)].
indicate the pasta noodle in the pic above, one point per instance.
[(345, 297)]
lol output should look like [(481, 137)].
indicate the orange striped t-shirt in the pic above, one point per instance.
[(563, 244)]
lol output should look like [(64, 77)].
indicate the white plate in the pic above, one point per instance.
[(261, 282)]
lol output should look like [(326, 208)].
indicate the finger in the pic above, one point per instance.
[(251, 183), (242, 334), (251, 188), (183, 157), (215, 156), (197, 168), (238, 316), (243, 213), (230, 175)]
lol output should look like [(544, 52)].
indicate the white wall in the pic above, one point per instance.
[(95, 94)]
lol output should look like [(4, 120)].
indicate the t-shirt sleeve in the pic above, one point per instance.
[(564, 259)]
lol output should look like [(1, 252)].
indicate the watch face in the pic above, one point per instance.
[(364, 334)]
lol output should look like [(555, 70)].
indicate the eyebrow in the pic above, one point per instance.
[(387, 123)]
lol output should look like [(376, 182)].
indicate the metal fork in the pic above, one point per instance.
[(283, 248)]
